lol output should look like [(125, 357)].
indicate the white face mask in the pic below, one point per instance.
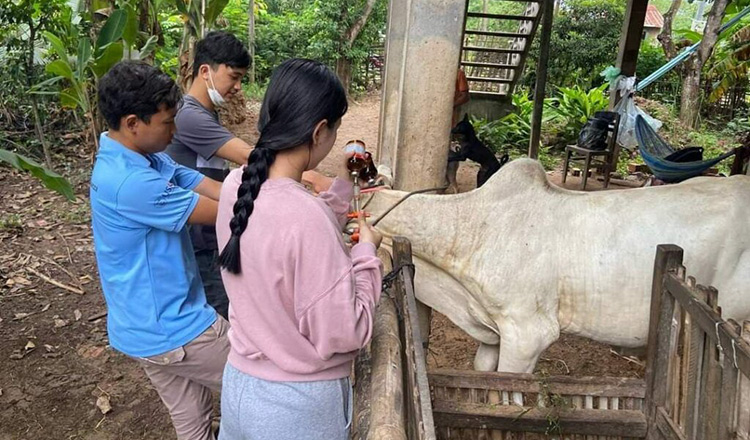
[(214, 94)]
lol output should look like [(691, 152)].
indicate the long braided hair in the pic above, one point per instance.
[(301, 93)]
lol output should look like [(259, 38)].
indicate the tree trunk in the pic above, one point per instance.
[(665, 36), (344, 63), (691, 97), (691, 68), (344, 71), (187, 49), (251, 40)]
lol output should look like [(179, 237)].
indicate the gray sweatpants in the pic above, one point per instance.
[(256, 409)]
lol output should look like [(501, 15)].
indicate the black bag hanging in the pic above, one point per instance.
[(593, 135)]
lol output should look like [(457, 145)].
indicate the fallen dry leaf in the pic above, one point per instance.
[(46, 307), (29, 346), (77, 314), (19, 316), (21, 280), (90, 351), (103, 404), (60, 323)]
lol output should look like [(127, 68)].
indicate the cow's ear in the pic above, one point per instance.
[(466, 117)]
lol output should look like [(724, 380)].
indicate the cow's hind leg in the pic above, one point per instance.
[(486, 357)]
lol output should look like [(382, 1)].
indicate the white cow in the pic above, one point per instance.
[(519, 260)]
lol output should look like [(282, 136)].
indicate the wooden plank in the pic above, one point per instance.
[(500, 16), (666, 427), (547, 11), (402, 256), (708, 419), (587, 422), (489, 65), (743, 405), (674, 388), (488, 95), (668, 259), (693, 364), (492, 49), (630, 41), (496, 34), (707, 318), (681, 370), (529, 383), (490, 80), (728, 392)]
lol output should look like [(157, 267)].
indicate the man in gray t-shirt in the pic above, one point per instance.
[(202, 143)]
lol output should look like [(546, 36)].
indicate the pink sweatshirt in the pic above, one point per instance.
[(303, 304)]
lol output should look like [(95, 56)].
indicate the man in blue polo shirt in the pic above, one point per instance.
[(141, 201)]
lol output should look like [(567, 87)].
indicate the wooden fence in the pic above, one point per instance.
[(697, 385), (698, 368)]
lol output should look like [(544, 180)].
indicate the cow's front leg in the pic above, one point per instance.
[(522, 341), (486, 358)]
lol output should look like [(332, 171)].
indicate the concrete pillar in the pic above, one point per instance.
[(390, 107), (423, 47)]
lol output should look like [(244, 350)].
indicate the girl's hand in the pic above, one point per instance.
[(368, 234)]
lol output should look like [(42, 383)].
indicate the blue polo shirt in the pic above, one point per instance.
[(139, 208)]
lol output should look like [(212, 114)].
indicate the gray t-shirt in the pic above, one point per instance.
[(199, 134)]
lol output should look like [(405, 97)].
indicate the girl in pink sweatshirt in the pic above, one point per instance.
[(302, 303)]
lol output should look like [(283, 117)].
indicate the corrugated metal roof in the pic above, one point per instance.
[(654, 19)]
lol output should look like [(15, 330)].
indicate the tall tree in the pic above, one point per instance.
[(691, 68), (347, 39)]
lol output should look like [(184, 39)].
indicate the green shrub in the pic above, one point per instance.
[(575, 105)]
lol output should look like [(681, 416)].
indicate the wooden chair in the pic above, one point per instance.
[(605, 159)]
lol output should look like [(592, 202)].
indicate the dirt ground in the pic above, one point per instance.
[(54, 356)]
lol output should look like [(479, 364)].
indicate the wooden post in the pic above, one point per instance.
[(419, 420), (668, 259), (541, 78), (387, 389), (630, 40), (710, 379), (696, 339), (743, 394), (728, 391)]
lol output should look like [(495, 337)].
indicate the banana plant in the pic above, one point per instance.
[(198, 17), (733, 63), (75, 76), (49, 178)]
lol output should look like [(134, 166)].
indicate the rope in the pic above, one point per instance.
[(420, 191), (391, 276)]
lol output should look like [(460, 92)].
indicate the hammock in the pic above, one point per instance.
[(654, 150)]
